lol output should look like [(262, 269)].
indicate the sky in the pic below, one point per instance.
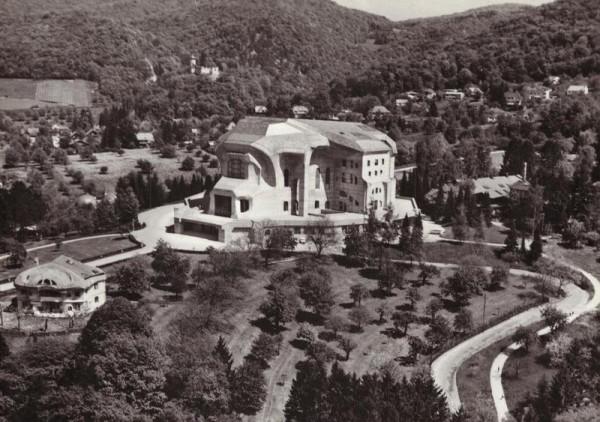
[(410, 9)]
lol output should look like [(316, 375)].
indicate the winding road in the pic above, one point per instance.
[(574, 308)]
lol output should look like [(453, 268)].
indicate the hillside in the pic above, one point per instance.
[(279, 52)]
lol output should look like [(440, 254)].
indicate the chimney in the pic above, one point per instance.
[(524, 172)]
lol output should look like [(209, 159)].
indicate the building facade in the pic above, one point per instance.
[(293, 171), (60, 288)]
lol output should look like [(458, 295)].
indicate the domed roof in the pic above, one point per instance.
[(62, 273), (87, 199)]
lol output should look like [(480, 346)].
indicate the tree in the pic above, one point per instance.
[(413, 296), (433, 306), (17, 253), (536, 249), (391, 276), (416, 347), (356, 244), (12, 158), (360, 316), (321, 352), (168, 151), (282, 305), (315, 290), (4, 349), (307, 399), (404, 243), (336, 323), (321, 233), (265, 348), (427, 273), (438, 332), (416, 237), (133, 278), (463, 321), (188, 164), (554, 318), (573, 234), (402, 320), (460, 228), (382, 310), (347, 345), (172, 268), (281, 239), (104, 216), (511, 243), (126, 206), (306, 333), (498, 277), (222, 353), (248, 388), (358, 292), (524, 336)]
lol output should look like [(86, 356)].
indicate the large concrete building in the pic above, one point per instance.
[(291, 172), (60, 288)]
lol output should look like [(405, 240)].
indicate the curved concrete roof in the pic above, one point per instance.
[(62, 273)]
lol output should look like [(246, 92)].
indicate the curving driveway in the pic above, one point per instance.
[(574, 310)]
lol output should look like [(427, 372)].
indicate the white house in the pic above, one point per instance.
[(61, 288), (454, 95), (260, 109), (292, 172), (578, 90), (144, 139), (299, 111), (212, 72)]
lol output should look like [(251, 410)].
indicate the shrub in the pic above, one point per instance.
[(103, 169), (77, 176), (145, 166), (321, 352), (205, 158), (557, 350), (188, 164), (189, 148), (214, 163), (168, 151)]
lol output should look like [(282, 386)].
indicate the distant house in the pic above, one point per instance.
[(230, 126), (33, 131), (553, 80), (260, 109), (212, 72), (379, 111), (144, 139), (513, 99), (403, 171), (538, 93), (412, 95), (454, 95), (578, 90), (58, 128), (60, 288), (299, 111), (195, 132), (87, 199), (193, 64), (56, 141), (429, 94), (473, 91), (402, 102), (496, 160)]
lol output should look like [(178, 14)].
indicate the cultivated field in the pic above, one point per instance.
[(18, 94)]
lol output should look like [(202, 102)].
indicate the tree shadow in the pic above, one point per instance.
[(405, 360), (327, 336), (381, 294), (392, 333), (451, 306), (299, 344), (369, 273), (309, 317), (266, 326), (404, 307), (347, 305), (346, 262)]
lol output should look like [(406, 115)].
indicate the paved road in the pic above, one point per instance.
[(574, 309), (445, 367)]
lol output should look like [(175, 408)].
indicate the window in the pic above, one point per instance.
[(376, 162), (96, 286), (286, 206), (356, 180), (343, 163), (318, 178), (244, 205), (343, 177), (96, 299), (295, 208), (317, 204), (327, 176), (369, 173), (236, 170), (368, 163), (383, 161), (286, 178)]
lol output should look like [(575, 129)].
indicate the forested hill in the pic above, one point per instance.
[(283, 51), (297, 42)]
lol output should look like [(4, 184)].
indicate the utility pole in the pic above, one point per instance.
[(484, 303)]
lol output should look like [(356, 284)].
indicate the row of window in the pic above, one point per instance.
[(351, 164), (349, 178), (377, 190), (376, 162), (286, 205), (377, 172)]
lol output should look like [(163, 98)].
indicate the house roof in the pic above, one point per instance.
[(497, 159), (145, 136), (274, 136), (496, 187), (62, 273), (577, 88), (299, 109), (380, 110)]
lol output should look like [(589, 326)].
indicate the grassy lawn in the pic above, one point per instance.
[(531, 367), (585, 258), (80, 250), (120, 165), (493, 234)]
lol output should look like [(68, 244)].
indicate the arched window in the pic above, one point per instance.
[(318, 178), (327, 176), (286, 178), (236, 169)]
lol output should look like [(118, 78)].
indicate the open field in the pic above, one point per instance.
[(25, 93), (377, 343), (493, 234), (120, 165)]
